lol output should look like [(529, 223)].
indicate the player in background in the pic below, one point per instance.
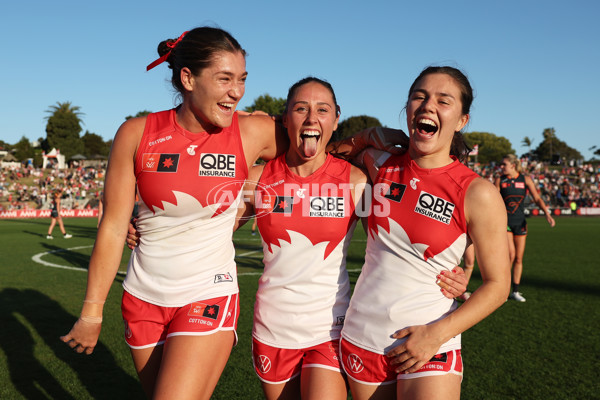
[(513, 186)]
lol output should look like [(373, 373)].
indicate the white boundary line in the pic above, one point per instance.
[(38, 259)]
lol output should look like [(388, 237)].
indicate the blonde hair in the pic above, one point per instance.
[(514, 160)]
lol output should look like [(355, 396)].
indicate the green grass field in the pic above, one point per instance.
[(546, 348)]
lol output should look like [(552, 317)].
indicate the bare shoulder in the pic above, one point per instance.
[(481, 189), (131, 129), (255, 124), (483, 198), (261, 137), (528, 179)]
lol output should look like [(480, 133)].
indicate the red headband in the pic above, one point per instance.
[(171, 45)]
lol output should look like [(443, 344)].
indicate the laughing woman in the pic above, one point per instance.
[(401, 338)]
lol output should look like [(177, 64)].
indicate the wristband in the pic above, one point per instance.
[(91, 320)]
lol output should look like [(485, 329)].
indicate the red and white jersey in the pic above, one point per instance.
[(189, 186), (306, 224), (417, 229)]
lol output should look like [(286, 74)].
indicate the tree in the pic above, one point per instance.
[(63, 128), (139, 114), (553, 149), (352, 125), (527, 142), (491, 147), (268, 104), (93, 145), (23, 149)]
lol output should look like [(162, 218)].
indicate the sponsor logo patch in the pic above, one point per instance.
[(223, 278), (156, 162), (520, 185), (440, 358), (204, 310), (215, 164), (354, 363), (332, 207), (192, 149), (264, 364), (395, 192), (435, 207), (276, 204)]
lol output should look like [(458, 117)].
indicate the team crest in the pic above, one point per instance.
[(156, 162), (204, 310), (395, 192)]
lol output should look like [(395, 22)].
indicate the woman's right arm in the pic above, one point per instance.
[(119, 196), (262, 137), (246, 209)]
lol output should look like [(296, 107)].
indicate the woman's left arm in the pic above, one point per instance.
[(538, 200), (486, 222)]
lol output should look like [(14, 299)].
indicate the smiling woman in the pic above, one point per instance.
[(185, 260), (401, 337)]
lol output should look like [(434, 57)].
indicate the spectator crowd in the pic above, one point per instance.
[(28, 187), (31, 188), (559, 186)]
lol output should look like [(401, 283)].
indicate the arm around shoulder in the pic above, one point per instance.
[(262, 137), (246, 210)]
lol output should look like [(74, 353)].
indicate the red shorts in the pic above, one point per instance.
[(275, 365), (370, 368), (149, 325)]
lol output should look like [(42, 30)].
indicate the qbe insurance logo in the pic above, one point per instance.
[(215, 164), (332, 207), (435, 207)]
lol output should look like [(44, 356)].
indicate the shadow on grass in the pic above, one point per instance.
[(24, 310)]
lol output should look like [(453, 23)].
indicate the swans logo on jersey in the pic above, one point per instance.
[(354, 363), (264, 364), (434, 207), (214, 164), (395, 192), (300, 193), (413, 183), (332, 207), (223, 278), (155, 162), (203, 310), (192, 149)]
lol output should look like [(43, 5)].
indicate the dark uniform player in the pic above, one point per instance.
[(513, 186)]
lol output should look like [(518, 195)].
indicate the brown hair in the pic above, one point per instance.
[(196, 51)]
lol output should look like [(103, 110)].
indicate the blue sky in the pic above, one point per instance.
[(533, 64)]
